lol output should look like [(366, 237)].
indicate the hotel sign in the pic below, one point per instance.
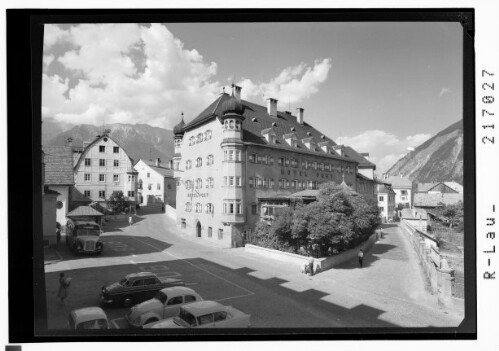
[(197, 194)]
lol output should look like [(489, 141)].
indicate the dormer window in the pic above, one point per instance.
[(291, 139), (270, 135)]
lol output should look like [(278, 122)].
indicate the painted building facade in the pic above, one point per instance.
[(103, 167), (156, 184), (236, 154)]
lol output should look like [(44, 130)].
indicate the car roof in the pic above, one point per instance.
[(140, 275), (87, 314), (203, 307), (177, 290)]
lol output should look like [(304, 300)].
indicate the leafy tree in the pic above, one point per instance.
[(117, 202)]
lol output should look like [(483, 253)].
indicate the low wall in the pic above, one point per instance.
[(320, 264), (435, 266)]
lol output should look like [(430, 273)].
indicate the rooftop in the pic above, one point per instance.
[(354, 155), (426, 187), (164, 171), (58, 165), (399, 181), (433, 200), (257, 119), (84, 211)]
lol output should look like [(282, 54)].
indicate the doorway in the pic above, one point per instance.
[(198, 230)]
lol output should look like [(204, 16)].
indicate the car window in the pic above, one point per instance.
[(138, 282), (156, 280), (161, 296), (94, 324), (177, 300), (188, 318), (206, 319), (150, 281), (220, 316), (124, 282), (189, 298)]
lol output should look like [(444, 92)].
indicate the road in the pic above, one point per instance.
[(388, 292)]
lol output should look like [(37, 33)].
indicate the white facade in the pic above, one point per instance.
[(104, 167), (62, 202), (403, 196)]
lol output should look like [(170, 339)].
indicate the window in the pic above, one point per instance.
[(158, 186), (209, 160), (231, 155), (116, 163), (88, 162), (251, 182), (287, 184), (116, 177), (199, 183), (226, 180), (231, 124), (294, 143), (102, 163), (86, 193), (321, 166), (102, 177), (208, 135), (403, 192), (381, 209), (192, 140), (238, 181), (314, 165), (177, 300), (188, 207), (199, 138), (280, 161), (294, 163), (252, 158), (238, 155), (102, 194), (209, 182), (87, 177), (266, 182), (282, 183), (131, 193), (116, 149), (210, 233), (220, 234), (238, 124), (189, 298), (286, 162), (271, 183), (199, 162), (209, 208), (259, 182), (293, 184), (232, 207), (381, 198), (254, 209), (102, 148), (199, 208), (220, 316)]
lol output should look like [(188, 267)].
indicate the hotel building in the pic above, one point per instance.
[(236, 157)]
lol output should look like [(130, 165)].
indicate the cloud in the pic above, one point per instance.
[(384, 148), (132, 74), (293, 84), (444, 91)]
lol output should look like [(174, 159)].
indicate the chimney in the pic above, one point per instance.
[(365, 155), (69, 142), (272, 107), (299, 115), (236, 91), (158, 162)]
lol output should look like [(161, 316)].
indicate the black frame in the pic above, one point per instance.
[(24, 71)]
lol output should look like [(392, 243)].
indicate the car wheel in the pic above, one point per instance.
[(150, 320), (127, 301)]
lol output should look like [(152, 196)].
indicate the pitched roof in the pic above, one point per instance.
[(455, 185), (354, 155), (426, 187), (306, 193), (77, 196), (164, 171), (256, 119), (383, 188), (361, 176), (84, 211), (399, 181), (58, 165), (433, 200), (414, 213)]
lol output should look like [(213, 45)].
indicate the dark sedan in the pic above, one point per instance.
[(135, 288)]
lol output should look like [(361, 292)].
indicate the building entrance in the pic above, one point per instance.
[(198, 230)]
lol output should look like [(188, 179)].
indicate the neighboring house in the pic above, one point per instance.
[(49, 199), (436, 188), (403, 189), (365, 170), (429, 201), (235, 154), (156, 185), (417, 218), (102, 167), (386, 200), (456, 186)]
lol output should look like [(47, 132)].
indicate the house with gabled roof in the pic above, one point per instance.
[(237, 153), (365, 170), (59, 177), (403, 188), (156, 184), (101, 168)]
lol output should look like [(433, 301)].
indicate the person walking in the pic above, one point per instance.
[(58, 233), (130, 220), (63, 287), (361, 257)]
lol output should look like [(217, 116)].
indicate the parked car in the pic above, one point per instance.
[(205, 314), (135, 288), (88, 318), (165, 304)]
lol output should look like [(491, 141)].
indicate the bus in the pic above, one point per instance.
[(83, 237)]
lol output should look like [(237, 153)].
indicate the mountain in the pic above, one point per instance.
[(440, 158), (140, 141)]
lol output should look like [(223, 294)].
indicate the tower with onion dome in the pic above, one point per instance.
[(178, 132)]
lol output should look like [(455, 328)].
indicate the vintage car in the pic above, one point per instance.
[(88, 318), (135, 288), (83, 237), (165, 304), (205, 314)]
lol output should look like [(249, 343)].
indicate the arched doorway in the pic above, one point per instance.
[(198, 229)]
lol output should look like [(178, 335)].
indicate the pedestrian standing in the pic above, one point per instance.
[(64, 283), (130, 220), (58, 233), (361, 257)]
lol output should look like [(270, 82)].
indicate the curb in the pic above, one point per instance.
[(47, 262)]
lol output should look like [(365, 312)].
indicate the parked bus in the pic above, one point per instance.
[(83, 237)]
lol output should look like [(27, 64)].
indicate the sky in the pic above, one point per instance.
[(378, 87)]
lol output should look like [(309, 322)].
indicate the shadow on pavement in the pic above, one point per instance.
[(370, 256)]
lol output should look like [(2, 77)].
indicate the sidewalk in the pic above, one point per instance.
[(51, 255)]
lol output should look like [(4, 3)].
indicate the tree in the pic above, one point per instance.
[(117, 202), (453, 213)]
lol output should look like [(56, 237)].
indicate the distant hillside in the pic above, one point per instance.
[(138, 140), (440, 158)]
